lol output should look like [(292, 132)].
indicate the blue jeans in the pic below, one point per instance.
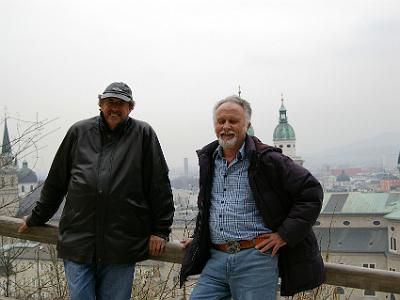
[(99, 281), (246, 275)]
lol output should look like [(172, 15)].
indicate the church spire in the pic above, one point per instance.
[(6, 146)]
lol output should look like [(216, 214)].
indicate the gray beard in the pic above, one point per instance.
[(229, 144)]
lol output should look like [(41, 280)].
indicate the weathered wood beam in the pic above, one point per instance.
[(45, 234), (336, 274), (362, 278)]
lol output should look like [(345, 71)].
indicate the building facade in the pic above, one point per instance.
[(361, 229)]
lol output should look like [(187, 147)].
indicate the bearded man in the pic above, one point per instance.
[(256, 211)]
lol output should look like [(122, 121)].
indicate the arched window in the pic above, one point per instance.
[(339, 290)]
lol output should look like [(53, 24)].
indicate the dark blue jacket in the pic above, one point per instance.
[(289, 199)]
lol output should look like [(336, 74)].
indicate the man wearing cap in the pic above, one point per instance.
[(118, 209), (256, 211)]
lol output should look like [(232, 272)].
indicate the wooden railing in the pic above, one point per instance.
[(336, 274)]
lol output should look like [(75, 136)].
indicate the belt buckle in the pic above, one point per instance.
[(233, 247)]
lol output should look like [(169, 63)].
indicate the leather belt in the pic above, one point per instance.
[(236, 246)]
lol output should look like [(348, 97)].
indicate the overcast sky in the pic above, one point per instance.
[(336, 63)]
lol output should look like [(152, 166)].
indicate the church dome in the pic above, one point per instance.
[(283, 132), (26, 175)]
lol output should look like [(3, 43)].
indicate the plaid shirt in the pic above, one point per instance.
[(233, 212)]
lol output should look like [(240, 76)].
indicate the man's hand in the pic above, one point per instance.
[(272, 241), (186, 242), (156, 245), (23, 227)]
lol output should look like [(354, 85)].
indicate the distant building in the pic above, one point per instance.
[(185, 167), (389, 182), (14, 183), (27, 180), (343, 182), (361, 229), (284, 136), (9, 200), (398, 163)]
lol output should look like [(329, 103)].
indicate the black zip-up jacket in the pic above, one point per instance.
[(289, 199), (116, 188)]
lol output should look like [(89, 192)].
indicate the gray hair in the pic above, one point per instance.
[(237, 100)]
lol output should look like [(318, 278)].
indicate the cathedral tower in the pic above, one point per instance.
[(284, 136)]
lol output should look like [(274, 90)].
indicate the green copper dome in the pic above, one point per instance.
[(283, 131)]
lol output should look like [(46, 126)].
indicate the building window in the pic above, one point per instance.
[(376, 223), (392, 269), (393, 244), (22, 189), (392, 228), (280, 146), (346, 223), (31, 188), (288, 146), (339, 291), (369, 292)]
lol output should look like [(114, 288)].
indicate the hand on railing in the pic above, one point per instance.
[(185, 243), (23, 228), (156, 245)]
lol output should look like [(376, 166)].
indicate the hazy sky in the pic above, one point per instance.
[(336, 63)]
